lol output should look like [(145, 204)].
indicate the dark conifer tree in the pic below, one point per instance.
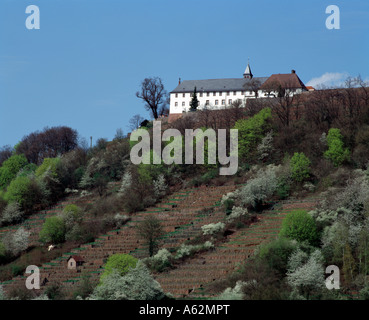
[(194, 102)]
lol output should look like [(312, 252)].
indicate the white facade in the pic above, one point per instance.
[(210, 93), (180, 102)]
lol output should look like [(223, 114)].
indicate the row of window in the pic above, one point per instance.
[(207, 103), (207, 94)]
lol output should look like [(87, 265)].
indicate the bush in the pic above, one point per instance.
[(336, 151), (16, 242), (72, 215), (188, 250), (161, 261), (122, 263), (10, 168), (260, 188), (137, 284), (12, 214), (212, 228), (160, 186), (26, 191), (53, 230), (232, 293), (251, 131), (54, 292), (306, 277), (276, 254), (283, 188), (85, 287), (49, 164), (300, 226), (236, 213), (300, 167)]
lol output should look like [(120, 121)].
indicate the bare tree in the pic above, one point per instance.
[(287, 101), (135, 122), (254, 86), (5, 153), (119, 135), (150, 229), (154, 95)]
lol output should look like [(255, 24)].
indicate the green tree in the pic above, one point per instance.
[(306, 277), (251, 131), (137, 284), (300, 226), (194, 101), (10, 168), (300, 167), (26, 191), (53, 230), (150, 230), (276, 254), (48, 164), (336, 152), (122, 263)]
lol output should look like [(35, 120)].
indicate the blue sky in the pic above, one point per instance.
[(84, 65)]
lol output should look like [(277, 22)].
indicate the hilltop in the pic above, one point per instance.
[(298, 203)]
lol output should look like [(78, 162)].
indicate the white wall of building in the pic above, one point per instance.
[(180, 102)]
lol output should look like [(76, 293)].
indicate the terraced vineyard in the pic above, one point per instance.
[(35, 221), (178, 214), (182, 217), (190, 278)]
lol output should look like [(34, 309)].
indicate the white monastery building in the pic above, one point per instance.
[(220, 93)]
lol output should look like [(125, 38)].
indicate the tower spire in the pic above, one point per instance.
[(248, 74)]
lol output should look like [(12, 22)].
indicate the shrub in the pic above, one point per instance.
[(26, 191), (122, 263), (161, 261), (160, 186), (283, 188), (49, 164), (336, 151), (85, 287), (276, 254), (137, 284), (300, 167), (120, 220), (10, 168), (53, 230), (72, 215), (260, 188), (236, 213), (188, 250), (16, 242), (228, 205), (307, 277), (126, 182), (12, 214), (300, 226), (265, 148), (232, 293), (251, 131), (212, 228)]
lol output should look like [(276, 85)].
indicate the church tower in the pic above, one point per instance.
[(248, 74)]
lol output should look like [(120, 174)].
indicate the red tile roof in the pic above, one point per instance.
[(76, 258), (287, 81)]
